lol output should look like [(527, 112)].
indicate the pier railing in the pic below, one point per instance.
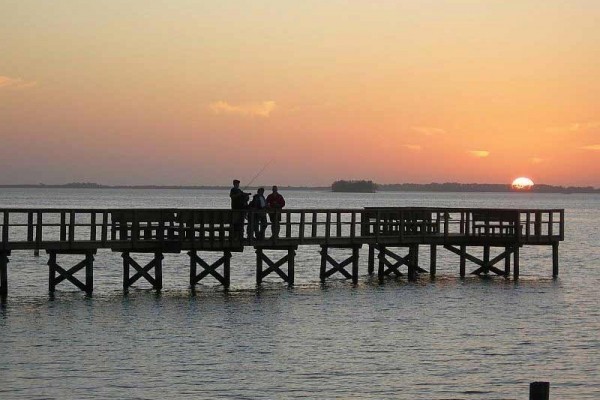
[(178, 229)]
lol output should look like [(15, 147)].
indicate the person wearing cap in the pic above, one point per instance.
[(239, 201)]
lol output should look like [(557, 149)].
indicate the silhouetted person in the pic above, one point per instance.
[(259, 218), (275, 202), (239, 201)]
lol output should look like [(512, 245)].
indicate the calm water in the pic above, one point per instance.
[(444, 339)]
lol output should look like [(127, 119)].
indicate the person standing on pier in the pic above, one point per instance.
[(275, 202), (239, 201), (259, 223)]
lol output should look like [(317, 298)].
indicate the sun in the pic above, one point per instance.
[(522, 183)]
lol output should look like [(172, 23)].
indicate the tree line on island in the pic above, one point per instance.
[(367, 186), (355, 186)]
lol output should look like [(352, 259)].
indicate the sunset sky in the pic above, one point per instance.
[(193, 92)]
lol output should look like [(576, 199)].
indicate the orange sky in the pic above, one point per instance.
[(198, 92)]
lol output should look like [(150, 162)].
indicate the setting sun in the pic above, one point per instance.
[(522, 183)]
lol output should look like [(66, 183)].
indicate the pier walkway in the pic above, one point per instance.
[(393, 236)]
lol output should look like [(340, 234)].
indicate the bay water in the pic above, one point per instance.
[(448, 338)]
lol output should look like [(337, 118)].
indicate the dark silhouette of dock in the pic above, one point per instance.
[(393, 236)]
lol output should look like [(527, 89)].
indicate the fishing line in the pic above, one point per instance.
[(258, 174)]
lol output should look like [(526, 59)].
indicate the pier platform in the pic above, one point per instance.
[(392, 235)]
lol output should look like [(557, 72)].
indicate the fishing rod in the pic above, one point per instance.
[(258, 174)]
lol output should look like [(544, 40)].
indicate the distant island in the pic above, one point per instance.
[(481, 187), (356, 186), (363, 186)]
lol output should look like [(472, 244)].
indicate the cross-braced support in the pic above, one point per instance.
[(156, 263), (387, 267), (275, 266), (4, 272), (486, 265), (210, 269), (57, 273), (339, 266)]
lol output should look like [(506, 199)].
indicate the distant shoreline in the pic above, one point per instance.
[(399, 187)]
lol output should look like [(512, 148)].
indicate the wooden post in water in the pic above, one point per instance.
[(555, 259), (432, 260), (4, 273), (516, 262), (52, 272), (539, 391), (259, 266), (158, 270), (463, 261), (291, 265), (89, 271), (486, 259), (507, 251), (413, 260), (371, 261)]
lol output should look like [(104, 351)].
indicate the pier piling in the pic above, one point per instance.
[(539, 391), (4, 273)]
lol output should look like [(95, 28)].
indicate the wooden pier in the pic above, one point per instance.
[(393, 235)]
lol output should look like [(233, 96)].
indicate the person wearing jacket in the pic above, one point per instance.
[(275, 202), (258, 216)]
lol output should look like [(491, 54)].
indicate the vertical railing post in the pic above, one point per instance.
[(377, 225), (135, 229), (446, 224), (562, 224), (30, 226), (93, 226), (5, 226), (538, 224), (71, 228), (63, 226), (38, 231), (301, 226), (288, 224), (250, 227), (327, 226), (401, 216), (467, 223), (104, 233)]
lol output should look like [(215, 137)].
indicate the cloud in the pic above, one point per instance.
[(15, 83), (256, 109), (536, 160), (413, 147), (575, 127), (428, 130), (479, 153), (591, 147)]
